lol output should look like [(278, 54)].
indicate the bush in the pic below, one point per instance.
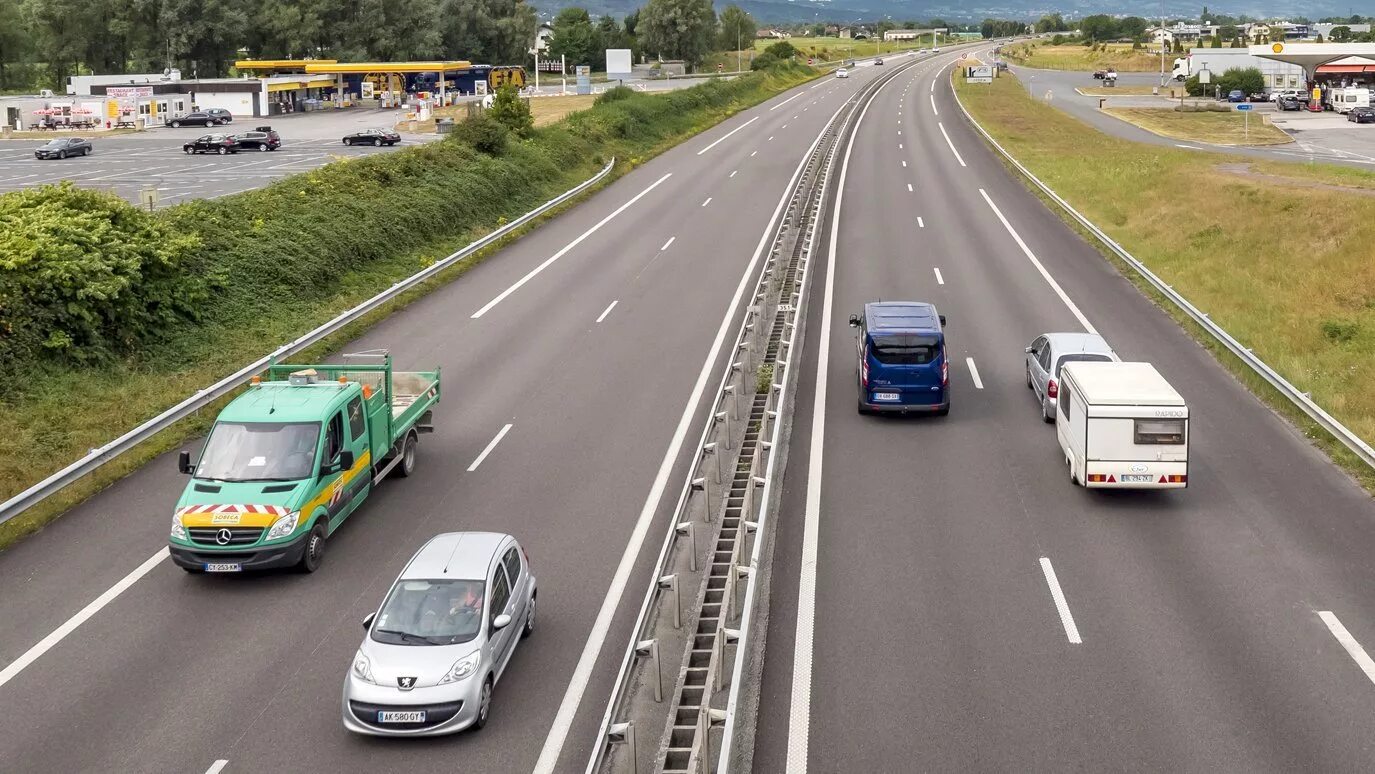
[(782, 49), (764, 61), (511, 110), (1340, 331), (614, 94), (483, 133), (1058, 40)]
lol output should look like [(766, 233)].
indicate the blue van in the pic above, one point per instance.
[(902, 362)]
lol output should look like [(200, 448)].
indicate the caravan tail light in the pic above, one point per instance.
[(1052, 389), (1175, 479), (1101, 478)]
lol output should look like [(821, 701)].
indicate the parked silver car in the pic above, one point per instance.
[(1057, 349), (441, 640)]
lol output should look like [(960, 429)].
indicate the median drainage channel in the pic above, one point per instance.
[(698, 640)]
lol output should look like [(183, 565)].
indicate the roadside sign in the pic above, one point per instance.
[(980, 74), (148, 197), (1243, 106)]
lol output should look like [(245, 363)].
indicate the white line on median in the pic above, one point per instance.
[(217, 766), (1353, 648), (899, 146), (500, 435), (666, 244), (57, 635), (785, 126), (550, 260), (607, 311), (939, 279), (1059, 291), (733, 171), (951, 144), (904, 162), (753, 154), (933, 85), (708, 201), (727, 134), (1066, 617), (770, 139), (973, 369)]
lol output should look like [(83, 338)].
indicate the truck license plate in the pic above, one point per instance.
[(401, 717), (224, 567), (1130, 479), (886, 396)]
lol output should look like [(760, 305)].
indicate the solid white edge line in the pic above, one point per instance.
[(601, 627), (490, 446), (58, 634), (933, 82), (784, 102), (666, 244), (1059, 291), (1353, 648), (217, 766), (799, 711), (951, 144), (727, 135), (1066, 617), (933, 104), (973, 369), (608, 309), (939, 279), (708, 201), (550, 260)]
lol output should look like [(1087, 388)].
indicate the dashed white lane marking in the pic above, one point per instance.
[(726, 135), (939, 279), (607, 311), (974, 371), (490, 446), (920, 223), (666, 244), (1353, 648), (708, 201), (1066, 617), (951, 144)]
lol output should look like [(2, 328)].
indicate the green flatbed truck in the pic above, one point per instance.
[(289, 459)]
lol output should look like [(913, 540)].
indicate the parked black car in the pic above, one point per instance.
[(220, 114), (212, 143), (262, 139), (64, 147), (1362, 115), (198, 118), (1289, 103), (372, 137)]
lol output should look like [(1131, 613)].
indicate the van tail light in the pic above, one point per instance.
[(864, 372), (1052, 389), (945, 372)]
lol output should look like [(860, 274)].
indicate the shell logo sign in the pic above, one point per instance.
[(1278, 48)]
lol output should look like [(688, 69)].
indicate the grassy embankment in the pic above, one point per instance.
[(545, 110), (283, 259), (822, 49), (1218, 128), (1206, 223), (1121, 57)]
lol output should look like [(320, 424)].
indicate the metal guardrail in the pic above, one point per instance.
[(1296, 396), (100, 456)]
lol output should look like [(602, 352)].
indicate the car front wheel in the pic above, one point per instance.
[(376, 143), (484, 705), (263, 148), (176, 124), (223, 150), (62, 154)]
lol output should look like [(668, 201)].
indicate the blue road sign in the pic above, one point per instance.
[(1243, 106)]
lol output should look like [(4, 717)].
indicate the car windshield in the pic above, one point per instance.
[(905, 349), (430, 612), (1080, 357), (259, 451)]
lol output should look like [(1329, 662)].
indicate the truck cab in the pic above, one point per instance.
[(290, 458), (900, 346)]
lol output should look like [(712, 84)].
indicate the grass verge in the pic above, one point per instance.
[(1129, 91), (545, 110), (58, 412), (1123, 58), (1206, 224), (1229, 128)]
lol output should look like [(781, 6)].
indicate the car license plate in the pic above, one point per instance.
[(1130, 479), (401, 717), (224, 567), (886, 396)]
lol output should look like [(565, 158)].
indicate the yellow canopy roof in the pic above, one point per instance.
[(320, 66)]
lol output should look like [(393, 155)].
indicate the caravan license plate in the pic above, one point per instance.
[(886, 396), (224, 568), (1130, 479), (401, 717)]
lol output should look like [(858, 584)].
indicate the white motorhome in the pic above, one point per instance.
[(1122, 426)]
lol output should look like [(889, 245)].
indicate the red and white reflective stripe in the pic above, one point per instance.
[(275, 510)]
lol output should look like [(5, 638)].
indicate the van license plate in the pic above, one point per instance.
[(401, 717), (1130, 479), (224, 568), (886, 396)]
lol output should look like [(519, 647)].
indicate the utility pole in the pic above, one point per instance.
[(1162, 44), (738, 65)]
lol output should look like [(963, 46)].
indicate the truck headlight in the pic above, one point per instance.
[(178, 531), (362, 668), (283, 526), (462, 668)]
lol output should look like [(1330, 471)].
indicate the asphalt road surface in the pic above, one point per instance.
[(595, 337), (970, 609)]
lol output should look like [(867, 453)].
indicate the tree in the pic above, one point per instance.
[(1216, 41), (631, 21), (1340, 34), (1099, 27), (677, 29), (495, 31), (512, 111), (574, 37), (737, 29), (1132, 27), (1052, 23)]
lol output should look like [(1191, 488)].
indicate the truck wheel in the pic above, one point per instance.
[(314, 554), (407, 466)]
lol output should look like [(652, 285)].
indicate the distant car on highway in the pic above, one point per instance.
[(212, 143), (902, 367), (1361, 115), (63, 147), (878, 60), (1289, 103), (442, 638), (375, 137), (200, 118), (262, 139), (1049, 352), (1236, 95), (842, 73)]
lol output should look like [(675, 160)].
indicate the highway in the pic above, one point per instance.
[(943, 599), (573, 365)]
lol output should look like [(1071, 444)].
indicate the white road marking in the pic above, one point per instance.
[(550, 260), (58, 634), (708, 201), (733, 171), (785, 126), (1066, 617), (1187, 147), (727, 134), (1353, 648), (909, 187), (899, 132), (799, 713), (939, 279), (607, 311), (577, 684), (770, 139), (899, 146), (500, 434), (951, 144), (973, 369), (933, 105), (1059, 291), (920, 223), (217, 766), (666, 244), (753, 154), (786, 101), (904, 162), (933, 85)]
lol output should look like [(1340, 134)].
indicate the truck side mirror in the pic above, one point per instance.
[(184, 463), (854, 321), (346, 460)]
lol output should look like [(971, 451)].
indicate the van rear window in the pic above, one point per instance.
[(899, 349), (1163, 432)]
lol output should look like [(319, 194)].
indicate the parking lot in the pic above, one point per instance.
[(125, 164)]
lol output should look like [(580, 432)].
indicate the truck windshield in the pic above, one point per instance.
[(905, 349), (259, 451), (430, 612)]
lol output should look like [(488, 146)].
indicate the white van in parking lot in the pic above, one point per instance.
[(1122, 426)]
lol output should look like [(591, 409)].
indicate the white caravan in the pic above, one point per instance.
[(1122, 426)]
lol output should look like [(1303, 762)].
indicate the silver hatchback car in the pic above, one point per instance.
[(443, 637), (1056, 349)]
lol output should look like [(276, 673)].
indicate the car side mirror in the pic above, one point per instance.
[(1028, 350), (501, 622), (184, 463), (367, 622), (942, 319), (854, 321)]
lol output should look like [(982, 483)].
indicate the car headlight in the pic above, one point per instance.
[(362, 668), (178, 531), (462, 668), (283, 526)]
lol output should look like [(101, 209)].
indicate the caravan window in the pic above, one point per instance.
[(1063, 408), (1167, 432)]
